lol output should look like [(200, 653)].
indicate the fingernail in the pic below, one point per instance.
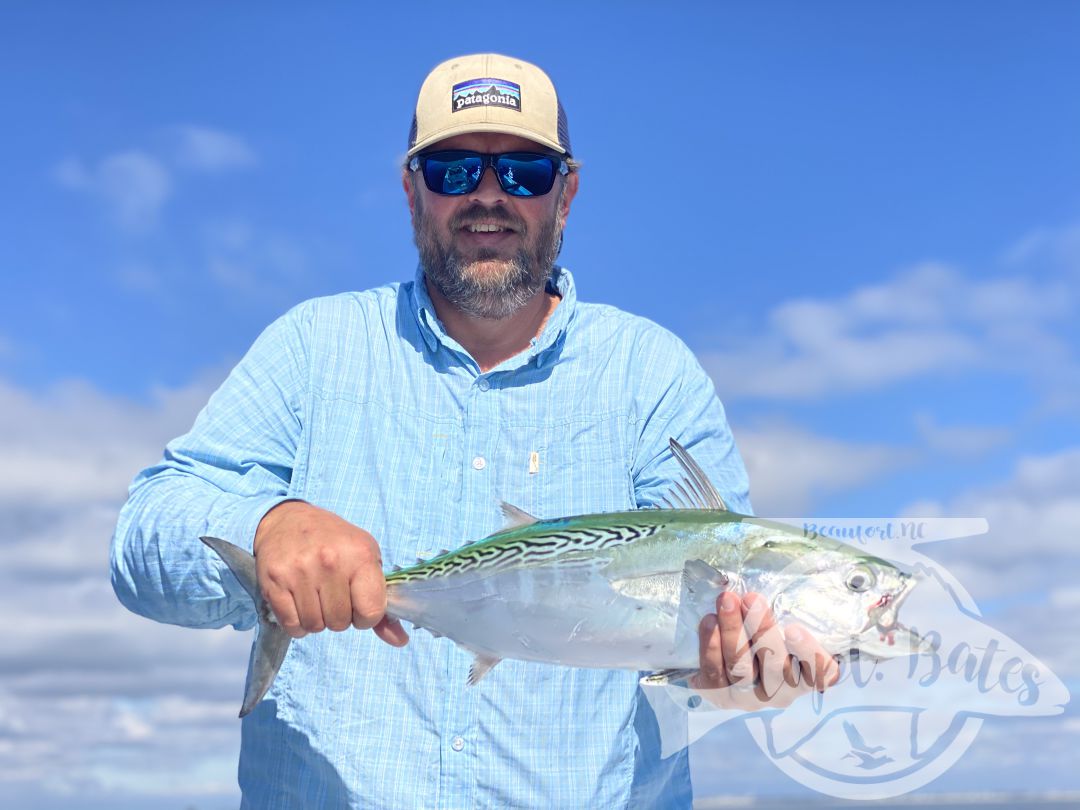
[(794, 634), (728, 602), (708, 624)]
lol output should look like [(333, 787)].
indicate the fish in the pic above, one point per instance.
[(623, 590)]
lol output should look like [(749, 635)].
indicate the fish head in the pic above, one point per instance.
[(850, 601)]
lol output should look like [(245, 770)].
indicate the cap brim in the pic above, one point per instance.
[(502, 129)]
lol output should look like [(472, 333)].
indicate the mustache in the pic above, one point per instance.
[(479, 213)]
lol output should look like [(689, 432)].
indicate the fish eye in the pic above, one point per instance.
[(860, 579)]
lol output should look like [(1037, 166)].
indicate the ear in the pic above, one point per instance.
[(410, 190), (567, 196)]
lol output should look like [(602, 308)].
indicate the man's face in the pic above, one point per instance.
[(488, 253)]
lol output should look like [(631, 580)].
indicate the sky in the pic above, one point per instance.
[(863, 218)]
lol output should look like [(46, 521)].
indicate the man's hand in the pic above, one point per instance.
[(765, 667), (319, 571)]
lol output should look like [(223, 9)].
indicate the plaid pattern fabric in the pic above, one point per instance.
[(362, 404)]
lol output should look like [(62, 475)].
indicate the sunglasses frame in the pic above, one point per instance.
[(417, 163)]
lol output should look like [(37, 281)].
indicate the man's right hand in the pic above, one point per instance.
[(319, 571)]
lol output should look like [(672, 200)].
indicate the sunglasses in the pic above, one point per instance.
[(520, 174)]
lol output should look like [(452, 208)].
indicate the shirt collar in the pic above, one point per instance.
[(544, 347)]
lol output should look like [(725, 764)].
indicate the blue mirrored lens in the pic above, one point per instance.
[(525, 175), (521, 174), (453, 172)]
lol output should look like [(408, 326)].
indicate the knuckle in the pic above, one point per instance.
[(327, 557)]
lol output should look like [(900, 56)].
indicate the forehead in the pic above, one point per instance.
[(490, 142)]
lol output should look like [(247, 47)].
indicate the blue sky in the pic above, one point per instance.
[(863, 217)]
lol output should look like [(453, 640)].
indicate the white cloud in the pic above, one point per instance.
[(1025, 570), (926, 320), (133, 185), (962, 441), (75, 444), (95, 701), (212, 150), (790, 467), (1053, 249), (242, 259)]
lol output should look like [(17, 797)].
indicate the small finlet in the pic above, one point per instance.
[(481, 666), (516, 518), (395, 568), (666, 676)]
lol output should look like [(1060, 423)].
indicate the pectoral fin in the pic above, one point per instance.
[(701, 586)]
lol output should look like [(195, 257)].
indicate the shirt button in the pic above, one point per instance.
[(457, 743), (483, 384), (479, 463)]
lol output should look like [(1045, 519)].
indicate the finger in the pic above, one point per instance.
[(335, 603), (368, 591), (819, 669), (734, 646), (767, 644), (711, 673), (308, 609), (391, 631), (284, 609)]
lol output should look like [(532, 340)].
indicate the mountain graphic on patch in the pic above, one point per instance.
[(485, 93)]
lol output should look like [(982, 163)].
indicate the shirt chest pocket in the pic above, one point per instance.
[(573, 468)]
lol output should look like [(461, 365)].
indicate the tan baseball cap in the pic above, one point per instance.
[(487, 92)]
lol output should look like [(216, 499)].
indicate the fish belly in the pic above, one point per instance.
[(570, 616)]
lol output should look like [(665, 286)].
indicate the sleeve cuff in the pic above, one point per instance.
[(241, 525)]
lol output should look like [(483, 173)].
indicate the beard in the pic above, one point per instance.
[(488, 285)]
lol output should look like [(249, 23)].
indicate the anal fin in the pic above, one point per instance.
[(481, 666)]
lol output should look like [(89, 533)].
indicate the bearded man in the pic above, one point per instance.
[(368, 429)]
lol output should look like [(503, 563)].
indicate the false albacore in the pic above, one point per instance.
[(623, 590)]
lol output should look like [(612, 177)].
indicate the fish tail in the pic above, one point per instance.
[(271, 641)]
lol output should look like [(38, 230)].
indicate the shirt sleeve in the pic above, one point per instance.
[(681, 403), (219, 479)]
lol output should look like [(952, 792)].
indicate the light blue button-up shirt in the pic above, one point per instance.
[(362, 404)]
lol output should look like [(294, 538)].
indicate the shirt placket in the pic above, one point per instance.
[(480, 432)]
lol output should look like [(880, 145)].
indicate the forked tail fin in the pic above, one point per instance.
[(271, 642)]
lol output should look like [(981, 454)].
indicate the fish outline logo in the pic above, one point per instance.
[(927, 709)]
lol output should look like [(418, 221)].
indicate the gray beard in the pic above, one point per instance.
[(492, 296)]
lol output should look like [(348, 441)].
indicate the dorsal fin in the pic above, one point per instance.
[(515, 518), (696, 490)]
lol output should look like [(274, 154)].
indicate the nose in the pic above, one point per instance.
[(488, 192)]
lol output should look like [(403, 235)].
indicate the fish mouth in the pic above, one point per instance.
[(884, 636)]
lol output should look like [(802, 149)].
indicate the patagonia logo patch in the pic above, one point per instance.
[(485, 93)]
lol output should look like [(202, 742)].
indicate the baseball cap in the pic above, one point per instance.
[(488, 92)]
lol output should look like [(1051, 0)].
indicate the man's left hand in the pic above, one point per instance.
[(749, 662)]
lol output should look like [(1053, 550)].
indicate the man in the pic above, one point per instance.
[(367, 429)]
